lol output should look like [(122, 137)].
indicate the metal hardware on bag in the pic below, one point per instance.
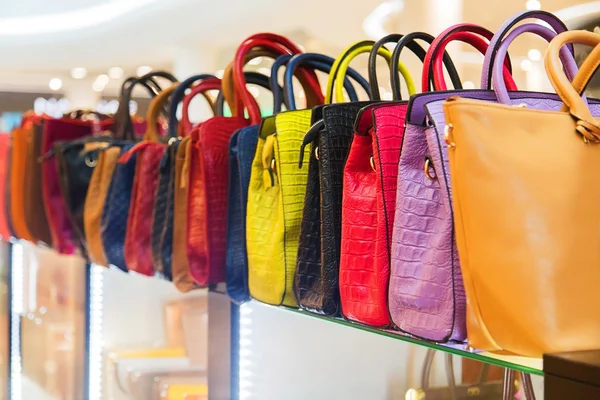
[(473, 391), (414, 394), (273, 164), (317, 152), (427, 167), (447, 135), (521, 105), (172, 140), (372, 162), (90, 162)]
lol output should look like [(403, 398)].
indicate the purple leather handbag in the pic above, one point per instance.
[(426, 293)]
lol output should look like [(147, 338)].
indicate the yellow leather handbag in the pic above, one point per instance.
[(526, 194), (276, 197)]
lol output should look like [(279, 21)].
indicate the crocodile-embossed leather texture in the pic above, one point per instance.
[(95, 201), (162, 218), (116, 211), (369, 197), (58, 130), (182, 278), (138, 252), (207, 198), (275, 203), (242, 148), (426, 295), (316, 282)]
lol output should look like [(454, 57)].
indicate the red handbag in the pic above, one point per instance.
[(58, 130), (149, 152), (209, 170)]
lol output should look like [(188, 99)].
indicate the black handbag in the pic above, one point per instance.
[(316, 282)]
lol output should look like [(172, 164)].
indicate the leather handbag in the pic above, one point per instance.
[(426, 294), (524, 155), (275, 202), (20, 141), (242, 148), (367, 197), (316, 281), (5, 231), (149, 152), (162, 216), (35, 214), (115, 214), (101, 178), (483, 389), (56, 131), (207, 216)]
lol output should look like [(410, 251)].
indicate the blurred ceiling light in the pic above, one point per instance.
[(219, 73), (468, 85), (115, 72), (254, 91), (374, 24), (533, 5), (256, 61), (78, 73), (143, 70), (71, 20), (55, 84), (102, 79), (98, 86), (526, 65), (534, 55)]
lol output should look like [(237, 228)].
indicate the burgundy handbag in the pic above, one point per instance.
[(426, 292), (55, 131)]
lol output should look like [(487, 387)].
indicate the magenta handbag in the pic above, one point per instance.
[(426, 293)]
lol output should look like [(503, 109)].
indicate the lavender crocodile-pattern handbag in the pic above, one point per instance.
[(426, 293)]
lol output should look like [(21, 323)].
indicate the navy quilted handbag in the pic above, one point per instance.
[(116, 211)]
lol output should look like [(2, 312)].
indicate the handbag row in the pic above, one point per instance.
[(453, 215)]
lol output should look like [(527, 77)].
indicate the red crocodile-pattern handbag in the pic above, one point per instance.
[(209, 168), (149, 152), (368, 202)]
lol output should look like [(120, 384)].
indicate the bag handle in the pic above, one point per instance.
[(341, 64), (319, 62), (471, 34), (278, 98), (409, 41), (201, 88), (125, 130), (267, 40), (508, 391), (586, 124), (252, 78), (566, 57), (488, 61), (227, 80), (151, 134), (178, 96)]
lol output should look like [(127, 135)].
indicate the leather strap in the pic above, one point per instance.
[(566, 57), (587, 125), (125, 130), (409, 41), (471, 34), (268, 41), (321, 63), (490, 55), (252, 78), (340, 66), (178, 96), (391, 38), (156, 104), (227, 80), (201, 88)]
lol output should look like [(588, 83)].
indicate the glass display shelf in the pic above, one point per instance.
[(525, 364)]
